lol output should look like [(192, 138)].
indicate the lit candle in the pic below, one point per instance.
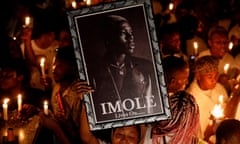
[(19, 101), (74, 4), (88, 2), (230, 46), (217, 111), (42, 67), (5, 109), (220, 99), (27, 21), (195, 46), (170, 6), (45, 107), (226, 67), (21, 135)]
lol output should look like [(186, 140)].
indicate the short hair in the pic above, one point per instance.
[(20, 67), (185, 119), (66, 54), (216, 29), (173, 64), (228, 129), (206, 64), (111, 25), (138, 128)]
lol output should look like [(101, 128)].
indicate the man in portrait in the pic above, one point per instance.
[(125, 84)]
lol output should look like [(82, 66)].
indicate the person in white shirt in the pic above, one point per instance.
[(206, 90), (218, 47), (34, 49)]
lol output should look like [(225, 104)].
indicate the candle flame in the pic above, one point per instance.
[(217, 111), (74, 4), (226, 67), (230, 46), (6, 100), (19, 96), (27, 20), (195, 45), (42, 61), (45, 103), (171, 5), (88, 2)]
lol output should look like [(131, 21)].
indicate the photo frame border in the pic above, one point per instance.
[(73, 15)]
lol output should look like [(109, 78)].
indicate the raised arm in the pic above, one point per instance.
[(86, 135), (26, 47)]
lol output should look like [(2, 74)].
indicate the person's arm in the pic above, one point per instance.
[(86, 135), (28, 51)]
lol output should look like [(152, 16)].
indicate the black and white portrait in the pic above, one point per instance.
[(118, 62)]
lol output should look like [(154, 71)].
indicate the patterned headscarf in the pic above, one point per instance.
[(206, 64)]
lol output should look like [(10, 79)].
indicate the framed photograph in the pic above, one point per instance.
[(117, 52)]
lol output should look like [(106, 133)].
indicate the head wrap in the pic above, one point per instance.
[(206, 64)]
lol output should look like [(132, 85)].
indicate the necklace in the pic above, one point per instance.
[(120, 68)]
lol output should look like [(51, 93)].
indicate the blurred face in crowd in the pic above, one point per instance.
[(179, 81), (218, 45), (172, 42), (46, 39), (125, 135), (123, 40), (208, 80), (64, 39), (62, 70), (9, 79)]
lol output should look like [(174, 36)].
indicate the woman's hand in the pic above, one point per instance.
[(83, 88)]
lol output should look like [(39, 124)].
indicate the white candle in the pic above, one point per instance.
[(226, 67), (42, 67), (27, 21), (19, 101), (195, 46), (5, 109), (45, 107), (21, 135), (74, 4)]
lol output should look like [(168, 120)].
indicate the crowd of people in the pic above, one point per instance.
[(200, 54)]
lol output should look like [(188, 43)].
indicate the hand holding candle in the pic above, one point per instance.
[(5, 108)]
